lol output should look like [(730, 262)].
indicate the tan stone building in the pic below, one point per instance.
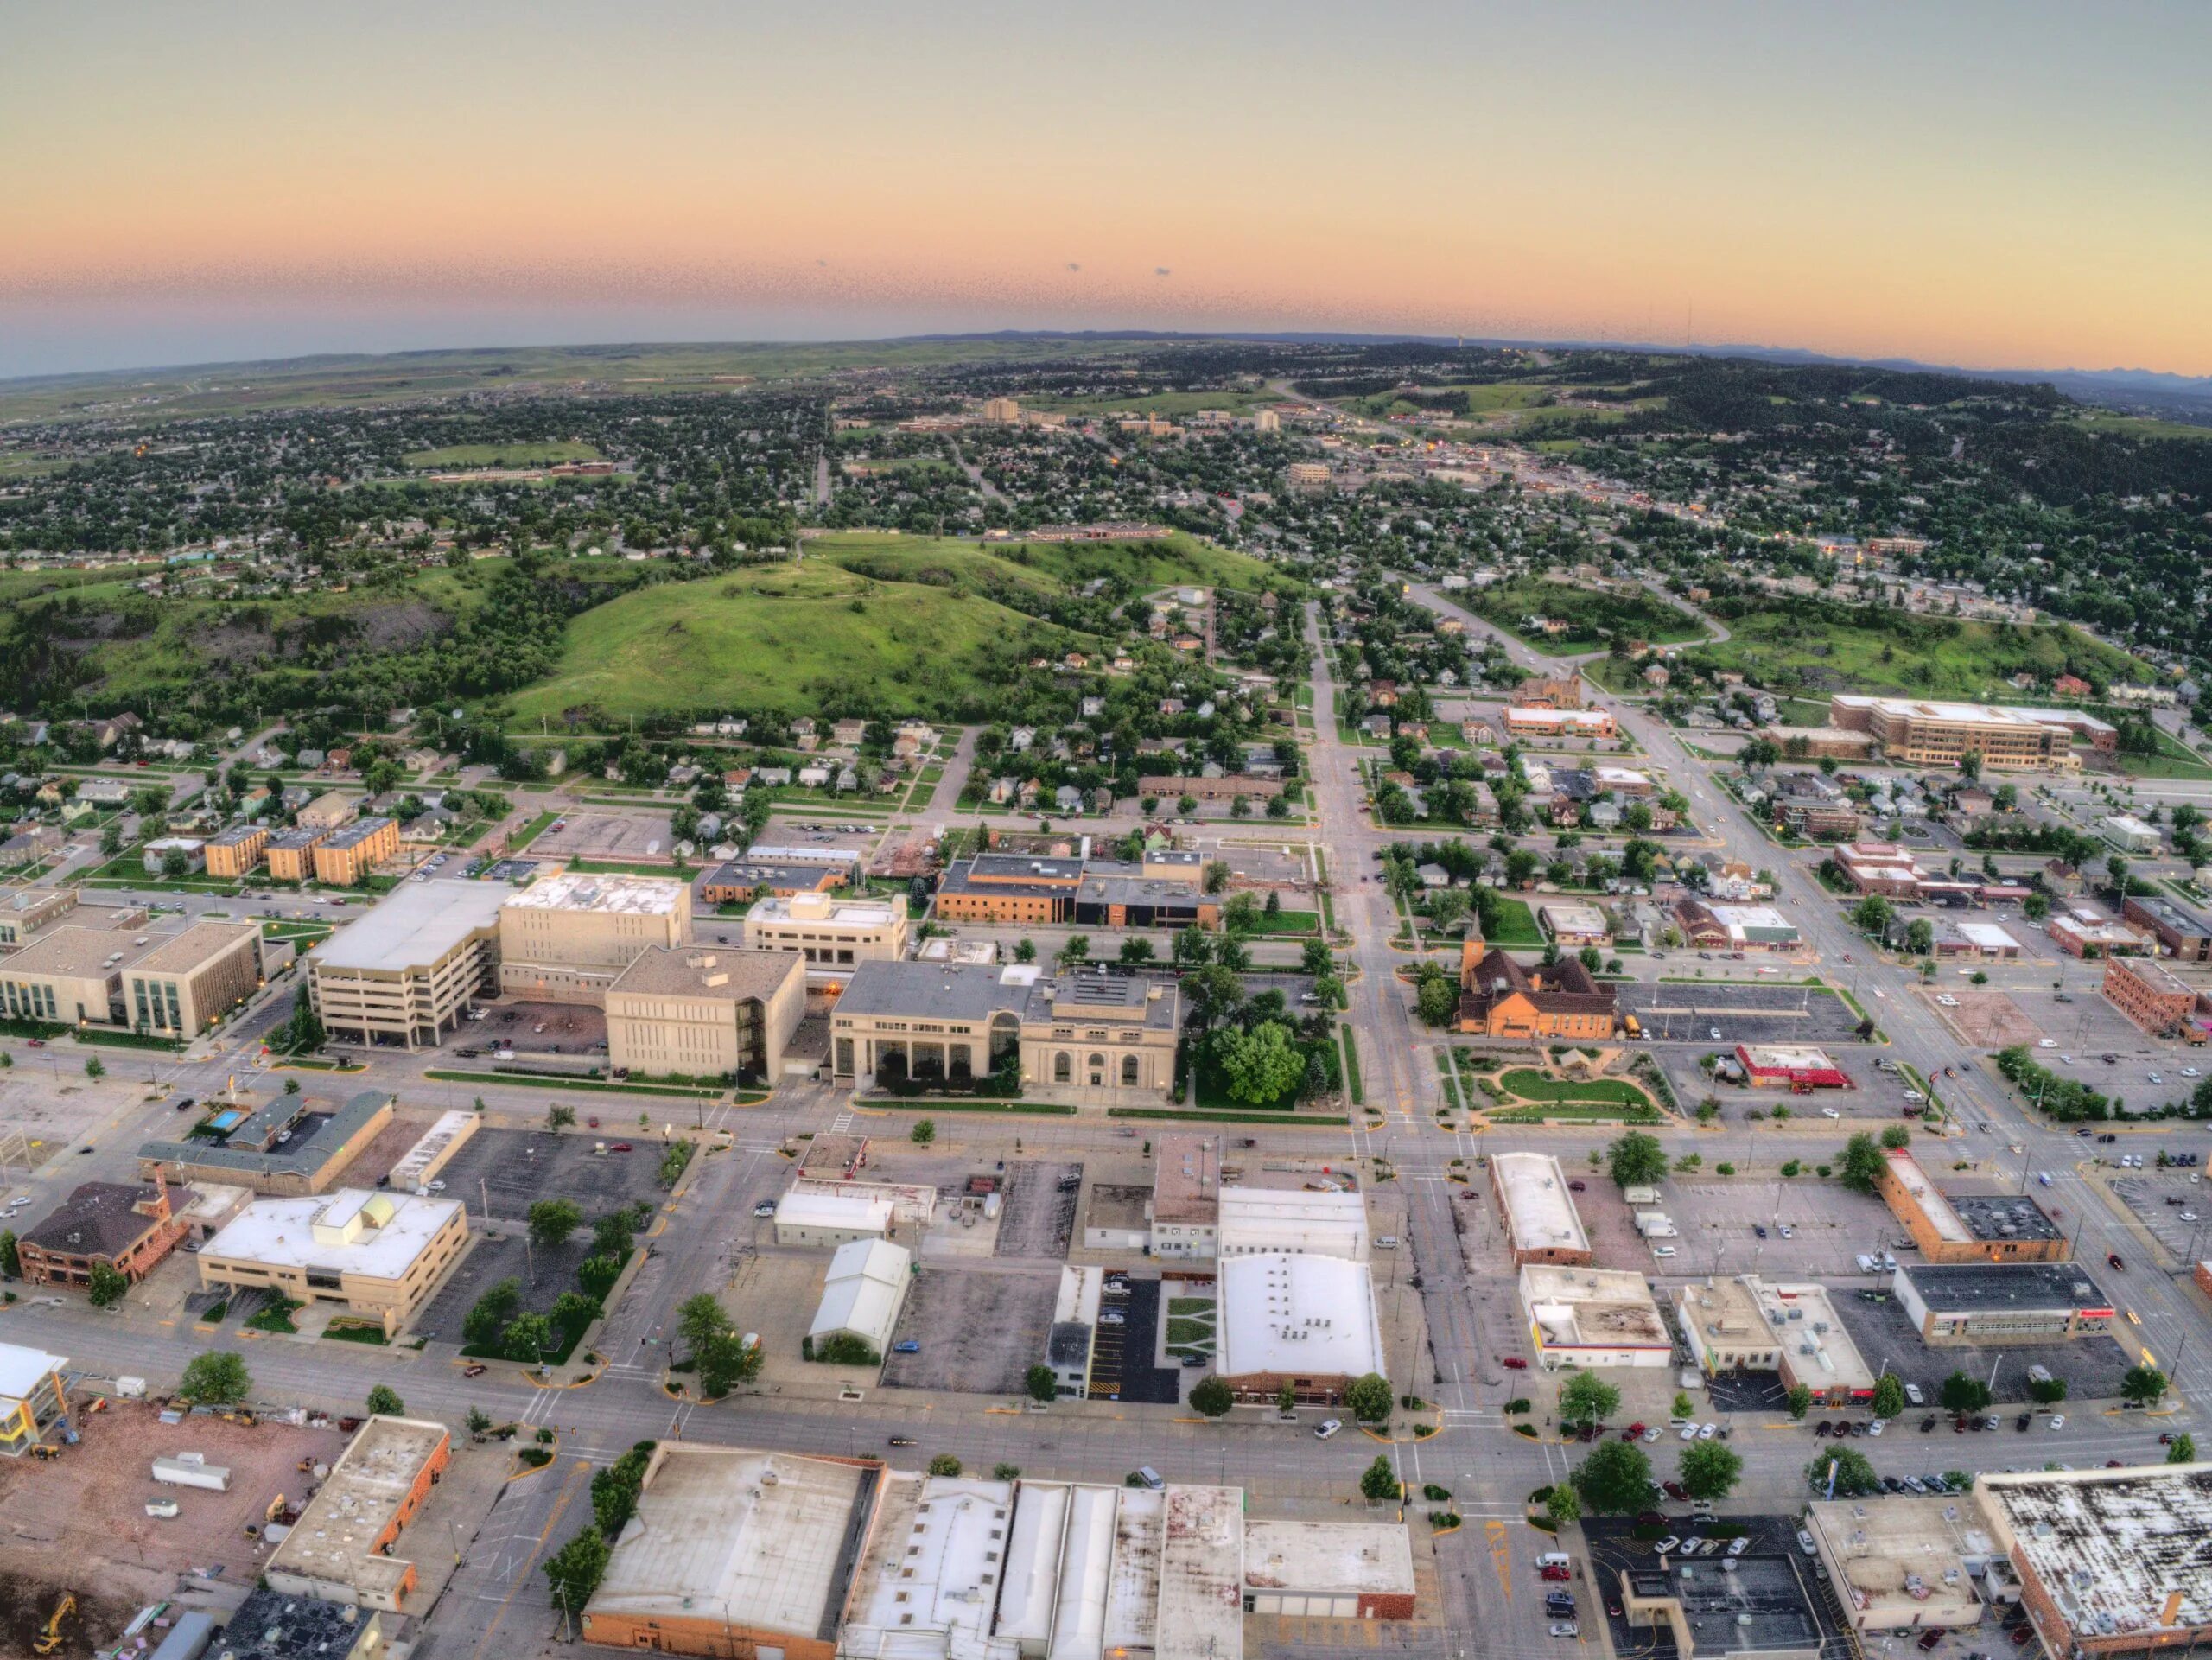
[(566, 939), (184, 984), (24, 912), (329, 812), (377, 1255), (345, 855), (829, 932), (681, 1009), (290, 854), (407, 971)]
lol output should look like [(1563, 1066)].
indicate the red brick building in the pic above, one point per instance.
[(127, 1226), (2153, 997)]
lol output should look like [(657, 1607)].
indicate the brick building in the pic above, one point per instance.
[(129, 1227), (2153, 997)]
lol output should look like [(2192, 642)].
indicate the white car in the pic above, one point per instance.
[(2190, 1071), (1875, 1428), (2040, 1043), (1689, 1432), (2189, 1216), (1667, 1546), (1912, 1394), (1830, 1112), (1327, 1428), (1948, 1000), (2154, 1078), (1566, 1628), (1662, 1251), (1737, 1547), (1651, 1435), (1705, 1432), (2057, 1421)]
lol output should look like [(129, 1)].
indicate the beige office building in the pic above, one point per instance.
[(27, 910), (189, 981), (704, 1014), (407, 971), (829, 932), (565, 939), (379, 1255)]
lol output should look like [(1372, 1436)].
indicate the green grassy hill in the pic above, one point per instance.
[(1044, 566), (1836, 649)]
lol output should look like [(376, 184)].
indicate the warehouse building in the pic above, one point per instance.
[(2014, 1303), (343, 1547), (292, 1146), (807, 1218), (1538, 1211), (1987, 1228), (1592, 1317), (861, 1294), (1257, 1221), (1307, 1321), (2110, 1562), (375, 1256), (1908, 1563)]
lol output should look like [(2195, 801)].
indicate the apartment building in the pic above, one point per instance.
[(705, 1014), (329, 812), (828, 932), (345, 855), (290, 853), (236, 851)]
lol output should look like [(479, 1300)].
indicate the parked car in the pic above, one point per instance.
[(1327, 1428), (1514, 1363), (766, 1207), (910, 1346), (472, 1372)]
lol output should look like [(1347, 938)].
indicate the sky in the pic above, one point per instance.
[(1990, 185)]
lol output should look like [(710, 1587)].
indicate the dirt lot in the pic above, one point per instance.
[(1988, 1019), (981, 1329), (389, 1146), (1040, 1215), (606, 833), (84, 1514)]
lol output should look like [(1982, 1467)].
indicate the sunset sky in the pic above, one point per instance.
[(1989, 185)]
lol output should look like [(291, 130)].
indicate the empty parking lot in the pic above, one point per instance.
[(981, 1324), (602, 833)]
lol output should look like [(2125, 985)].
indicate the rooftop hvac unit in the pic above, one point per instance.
[(1820, 1327), (1796, 1313), (1804, 1348)]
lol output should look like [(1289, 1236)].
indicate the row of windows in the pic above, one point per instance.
[(29, 1001)]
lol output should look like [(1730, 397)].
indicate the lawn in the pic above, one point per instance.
[(1531, 1086), (1516, 925), (515, 454), (910, 622), (1574, 1112), (1591, 615), (1870, 649)]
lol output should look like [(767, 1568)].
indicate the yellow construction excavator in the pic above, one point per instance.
[(50, 1639)]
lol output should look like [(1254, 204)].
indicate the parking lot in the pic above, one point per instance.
[(2092, 1366), (1873, 1093), (1771, 1598), (1720, 1222), (629, 833), (543, 1029), (853, 836), (981, 1328), (1686, 1012), (499, 1173), (2149, 1196)]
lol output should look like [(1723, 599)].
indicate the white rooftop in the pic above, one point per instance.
[(866, 1284), (336, 1539), (1539, 1212), (760, 1532), (808, 1207), (1311, 1315), (2112, 1548), (350, 1230), (413, 926), (21, 1368), (938, 1559), (1201, 1571), (1372, 1557), (1986, 935), (1132, 1581), (1592, 1308), (1905, 1170), (598, 891), (1255, 1220)]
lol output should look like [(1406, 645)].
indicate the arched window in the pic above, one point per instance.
[(1098, 1071), (1128, 1069), (1063, 1069)]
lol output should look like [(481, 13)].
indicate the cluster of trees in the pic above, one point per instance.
[(716, 1350), (499, 1324), (1262, 1054), (574, 1571)]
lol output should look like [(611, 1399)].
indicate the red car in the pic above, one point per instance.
[(34, 1043), (1578, 1187), (472, 1371), (1556, 1573), (1929, 1639), (1675, 1491), (618, 1147), (1514, 1363), (592, 1122)]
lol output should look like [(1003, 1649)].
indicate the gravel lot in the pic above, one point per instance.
[(981, 1329)]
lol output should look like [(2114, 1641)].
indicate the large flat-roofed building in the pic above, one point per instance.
[(1572, 924), (1760, 1606), (375, 1256), (737, 880), (1329, 1570), (1979, 1228), (2015, 1302), (1592, 1317), (25, 911), (1162, 890), (1526, 722), (1789, 1066), (1307, 1321), (126, 1226), (343, 1547), (1071, 1339), (1816, 1350), (270, 1625), (329, 810), (1904, 1564), (2182, 934), (32, 1396), (2158, 1001), (565, 938), (1090, 1036), (2109, 1562), (705, 1013), (1009, 887), (236, 851), (1256, 1221), (1735, 927), (1917, 733), (291, 1146), (1885, 868), (70, 977), (187, 981), (828, 933), (407, 971), (737, 1552), (1537, 1211), (347, 856), (1185, 1211)]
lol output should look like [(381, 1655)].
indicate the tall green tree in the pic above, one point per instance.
[(575, 1570), (385, 1403), (1379, 1480), (1635, 1160), (1615, 1479), (1211, 1397), (107, 1285), (2144, 1385), (1710, 1469), (215, 1378), (1369, 1397), (1587, 1398), (552, 1220), (1888, 1395)]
